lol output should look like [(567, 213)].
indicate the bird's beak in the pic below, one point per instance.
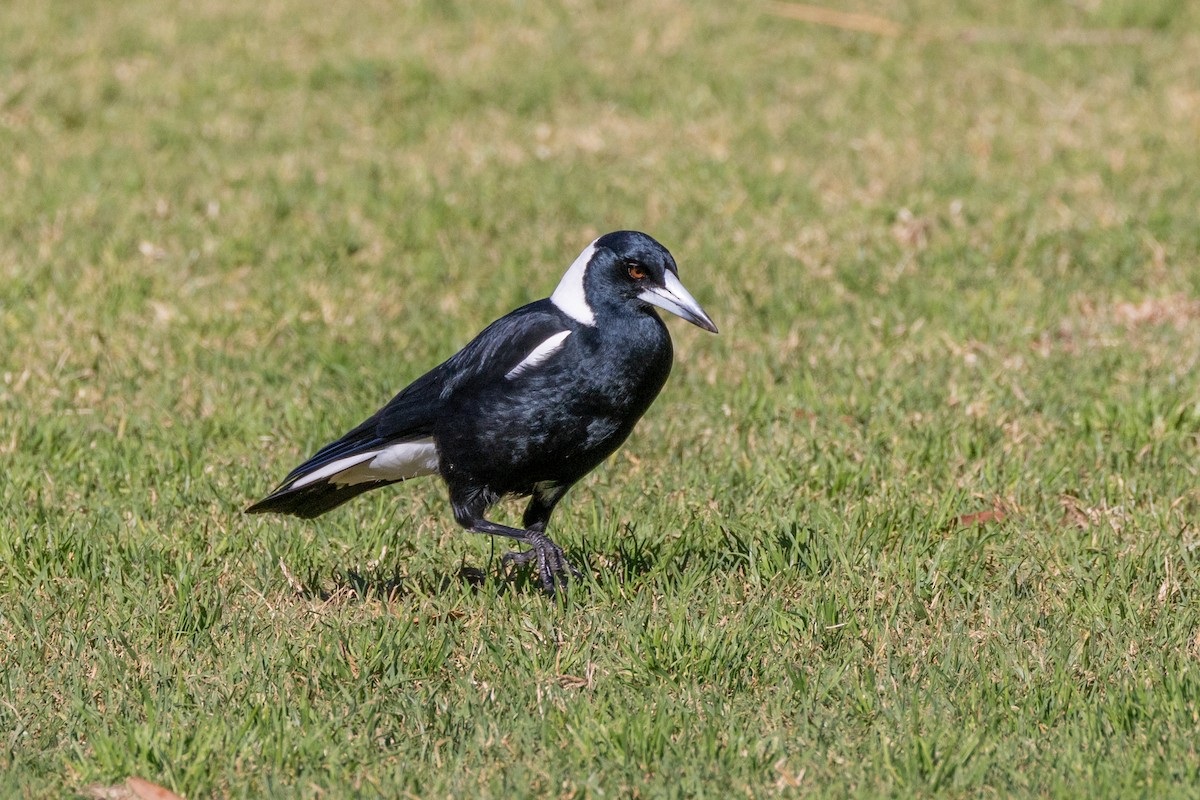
[(679, 301)]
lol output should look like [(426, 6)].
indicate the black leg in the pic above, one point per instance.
[(545, 498), (553, 567), (537, 516)]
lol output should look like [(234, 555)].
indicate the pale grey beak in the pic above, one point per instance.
[(679, 301)]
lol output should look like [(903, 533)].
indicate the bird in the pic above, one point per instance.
[(527, 408)]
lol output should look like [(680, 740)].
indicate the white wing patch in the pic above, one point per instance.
[(539, 354), (569, 295), (395, 463), (333, 467)]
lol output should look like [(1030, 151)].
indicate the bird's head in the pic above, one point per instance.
[(626, 269)]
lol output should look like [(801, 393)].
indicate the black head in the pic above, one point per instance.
[(623, 271)]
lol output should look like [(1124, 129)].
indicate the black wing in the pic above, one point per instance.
[(503, 345), (410, 415)]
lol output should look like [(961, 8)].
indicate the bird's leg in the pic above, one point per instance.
[(541, 504), (553, 567), (537, 515), (552, 563)]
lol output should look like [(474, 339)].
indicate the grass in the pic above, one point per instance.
[(921, 520)]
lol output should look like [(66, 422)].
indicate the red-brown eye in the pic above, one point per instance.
[(636, 272)]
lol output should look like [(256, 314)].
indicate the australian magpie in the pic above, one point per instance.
[(529, 407)]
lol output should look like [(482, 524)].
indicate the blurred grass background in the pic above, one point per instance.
[(920, 520)]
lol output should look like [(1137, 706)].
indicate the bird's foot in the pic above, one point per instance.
[(552, 564)]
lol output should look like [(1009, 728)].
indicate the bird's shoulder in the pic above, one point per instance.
[(505, 344), (491, 355)]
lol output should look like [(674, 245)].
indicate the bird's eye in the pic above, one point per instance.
[(635, 271)]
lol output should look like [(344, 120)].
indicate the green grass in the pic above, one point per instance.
[(953, 274)]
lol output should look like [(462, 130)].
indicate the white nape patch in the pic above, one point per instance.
[(539, 354), (395, 463), (569, 295)]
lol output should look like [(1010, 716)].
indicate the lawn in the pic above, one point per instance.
[(921, 520)]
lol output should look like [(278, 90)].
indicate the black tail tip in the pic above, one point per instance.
[(312, 500)]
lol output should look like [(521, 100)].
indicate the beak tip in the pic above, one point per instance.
[(674, 298)]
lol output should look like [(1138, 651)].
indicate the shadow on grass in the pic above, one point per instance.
[(797, 548), (348, 585), (353, 586)]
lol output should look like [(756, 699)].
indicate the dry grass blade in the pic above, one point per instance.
[(881, 26), (819, 15)]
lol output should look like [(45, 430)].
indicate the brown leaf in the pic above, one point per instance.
[(981, 518), (133, 789), (145, 790)]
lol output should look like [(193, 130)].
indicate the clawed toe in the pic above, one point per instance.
[(552, 564), (518, 557)]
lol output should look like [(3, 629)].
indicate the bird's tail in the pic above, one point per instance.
[(345, 469), (311, 500)]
